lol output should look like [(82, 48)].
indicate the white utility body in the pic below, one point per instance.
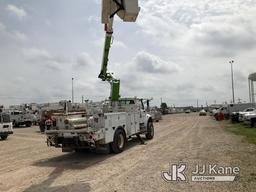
[(114, 123)]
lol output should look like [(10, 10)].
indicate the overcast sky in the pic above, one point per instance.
[(177, 50)]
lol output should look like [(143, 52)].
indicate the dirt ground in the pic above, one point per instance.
[(27, 164)]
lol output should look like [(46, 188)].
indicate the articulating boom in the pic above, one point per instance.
[(128, 11)]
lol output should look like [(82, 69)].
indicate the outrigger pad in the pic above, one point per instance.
[(142, 142)]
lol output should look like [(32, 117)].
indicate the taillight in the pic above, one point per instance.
[(48, 122)]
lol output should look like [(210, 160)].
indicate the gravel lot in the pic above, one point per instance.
[(27, 164)]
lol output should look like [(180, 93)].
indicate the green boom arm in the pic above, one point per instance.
[(128, 11), (104, 74)]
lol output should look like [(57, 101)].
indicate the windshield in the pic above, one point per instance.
[(249, 109)]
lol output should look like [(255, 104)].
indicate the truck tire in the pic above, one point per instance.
[(4, 137), (150, 131), (28, 124), (119, 141), (42, 127), (15, 124), (253, 120)]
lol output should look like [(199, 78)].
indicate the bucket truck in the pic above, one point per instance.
[(113, 122)]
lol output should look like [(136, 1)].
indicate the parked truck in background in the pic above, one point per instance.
[(250, 118), (19, 118), (156, 114), (164, 109), (5, 125), (239, 107), (153, 111)]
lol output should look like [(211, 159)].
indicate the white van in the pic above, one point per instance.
[(5, 125)]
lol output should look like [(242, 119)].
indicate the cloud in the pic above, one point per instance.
[(228, 39), (143, 75), (149, 63), (17, 35), (178, 50), (2, 27), (118, 44), (185, 87), (19, 12), (214, 30), (20, 36), (34, 53), (207, 88), (83, 60), (94, 19), (45, 59)]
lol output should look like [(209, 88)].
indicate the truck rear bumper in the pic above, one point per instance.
[(80, 138), (70, 143)]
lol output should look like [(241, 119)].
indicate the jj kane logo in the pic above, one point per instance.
[(201, 173), (176, 173)]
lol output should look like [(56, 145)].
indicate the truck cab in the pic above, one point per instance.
[(5, 126)]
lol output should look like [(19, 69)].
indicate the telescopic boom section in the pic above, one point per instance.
[(128, 11), (104, 75)]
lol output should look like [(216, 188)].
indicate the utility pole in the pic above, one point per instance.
[(232, 80), (82, 99), (250, 94), (72, 90)]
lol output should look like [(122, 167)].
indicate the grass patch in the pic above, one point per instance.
[(241, 129)]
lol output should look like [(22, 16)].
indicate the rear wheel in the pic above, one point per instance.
[(253, 120), (4, 137), (42, 127), (118, 144), (15, 124), (150, 130), (28, 124)]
